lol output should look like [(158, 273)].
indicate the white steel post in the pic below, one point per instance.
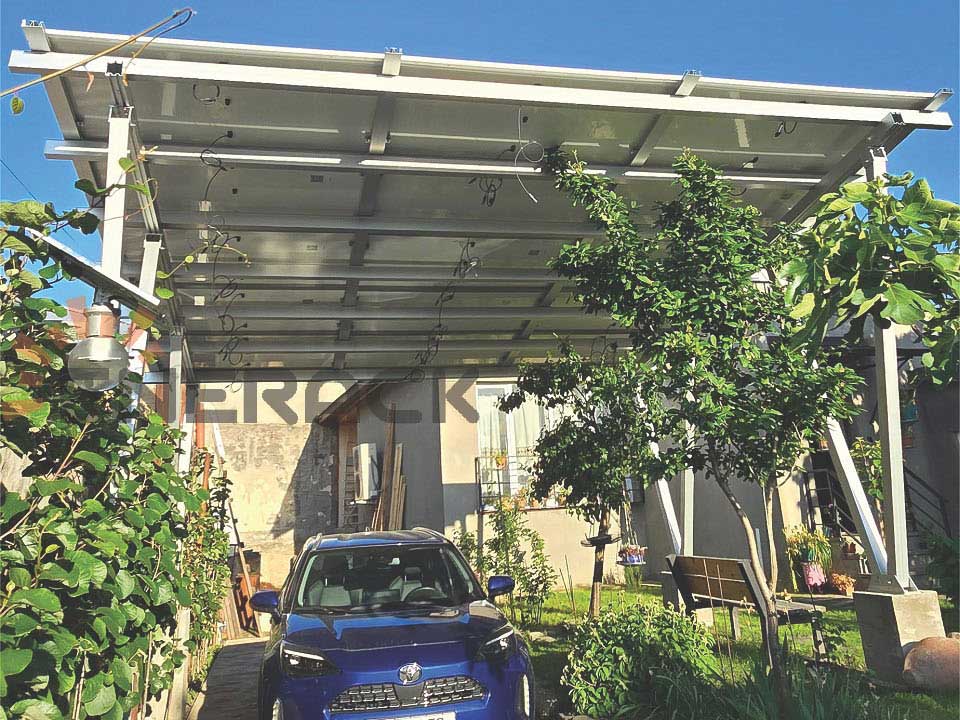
[(888, 416), (114, 206), (856, 499), (175, 375), (687, 481)]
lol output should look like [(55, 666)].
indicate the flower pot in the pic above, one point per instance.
[(813, 576)]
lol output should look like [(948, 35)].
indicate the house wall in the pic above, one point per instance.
[(418, 429), (280, 464)]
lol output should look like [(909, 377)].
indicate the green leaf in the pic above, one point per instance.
[(16, 105), (804, 307), (125, 584), (34, 709), (90, 569), (856, 192), (127, 164), (87, 186), (38, 598), (904, 306), (45, 488), (27, 213), (105, 699), (94, 460), (14, 660), (948, 262), (122, 674), (163, 293), (839, 205)]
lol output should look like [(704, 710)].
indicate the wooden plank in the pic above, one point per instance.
[(383, 500), (402, 503), (723, 568), (243, 562), (395, 486)]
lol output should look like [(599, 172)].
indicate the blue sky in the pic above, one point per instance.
[(880, 44)]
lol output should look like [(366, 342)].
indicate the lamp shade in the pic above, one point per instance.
[(98, 362)]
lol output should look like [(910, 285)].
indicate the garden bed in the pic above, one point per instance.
[(550, 650)]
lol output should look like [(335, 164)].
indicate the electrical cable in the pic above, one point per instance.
[(102, 53), (30, 193), (522, 152)]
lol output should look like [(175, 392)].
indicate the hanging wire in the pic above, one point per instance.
[(189, 15), (467, 264), (30, 193), (109, 51), (523, 150), (209, 157), (782, 128)]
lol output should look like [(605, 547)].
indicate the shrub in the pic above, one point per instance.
[(944, 565), (516, 550), (636, 655), (92, 551)]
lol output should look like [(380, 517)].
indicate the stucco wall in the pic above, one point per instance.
[(717, 529), (418, 428)]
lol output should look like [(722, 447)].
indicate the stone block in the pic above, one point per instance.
[(891, 624)]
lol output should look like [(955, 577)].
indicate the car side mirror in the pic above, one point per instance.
[(267, 601), (499, 585)]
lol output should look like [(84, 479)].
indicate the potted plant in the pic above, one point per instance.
[(843, 584), (810, 553), (632, 555)]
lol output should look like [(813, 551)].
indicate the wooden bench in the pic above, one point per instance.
[(708, 582)]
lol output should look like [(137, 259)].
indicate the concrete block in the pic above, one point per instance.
[(891, 624)]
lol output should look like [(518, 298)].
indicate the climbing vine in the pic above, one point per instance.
[(92, 549)]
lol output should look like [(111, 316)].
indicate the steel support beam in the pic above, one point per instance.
[(888, 133), (326, 311), (174, 377), (888, 418), (457, 228), (430, 88), (687, 488), (114, 206), (648, 143), (425, 272), (189, 155), (857, 500), (377, 346)]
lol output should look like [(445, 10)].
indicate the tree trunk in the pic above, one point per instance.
[(771, 494), (769, 623), (598, 566)]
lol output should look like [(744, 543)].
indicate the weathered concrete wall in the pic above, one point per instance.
[(281, 465)]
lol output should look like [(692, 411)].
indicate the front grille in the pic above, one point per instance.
[(388, 696)]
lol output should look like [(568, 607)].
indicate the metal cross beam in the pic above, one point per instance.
[(429, 88), (164, 154)]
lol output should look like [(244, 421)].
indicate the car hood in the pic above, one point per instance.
[(466, 625)]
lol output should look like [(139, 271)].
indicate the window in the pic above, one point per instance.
[(384, 577), (507, 442)]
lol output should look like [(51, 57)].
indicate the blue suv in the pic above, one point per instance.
[(390, 626)]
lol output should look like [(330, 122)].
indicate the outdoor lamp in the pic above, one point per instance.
[(98, 362)]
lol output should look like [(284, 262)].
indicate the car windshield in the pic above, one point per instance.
[(375, 578)]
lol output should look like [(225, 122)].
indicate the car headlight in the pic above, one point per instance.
[(302, 662), (499, 645)]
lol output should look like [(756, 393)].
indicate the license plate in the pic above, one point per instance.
[(430, 716)]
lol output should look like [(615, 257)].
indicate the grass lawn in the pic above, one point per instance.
[(550, 657)]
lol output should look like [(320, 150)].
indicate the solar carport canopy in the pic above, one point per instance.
[(362, 186)]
